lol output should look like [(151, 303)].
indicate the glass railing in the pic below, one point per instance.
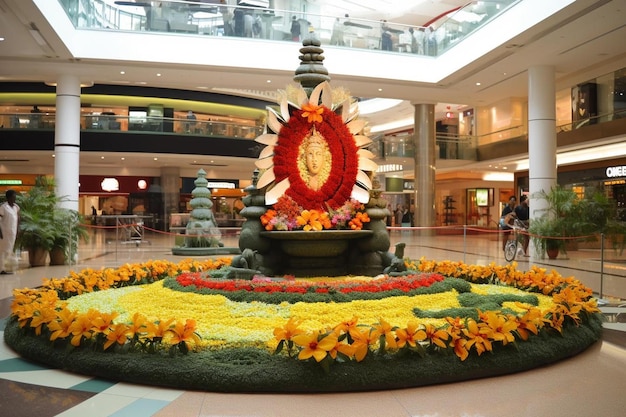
[(206, 18), (447, 146), (601, 118), (162, 125)]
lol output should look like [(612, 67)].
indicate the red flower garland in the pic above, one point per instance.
[(345, 163), (403, 283)]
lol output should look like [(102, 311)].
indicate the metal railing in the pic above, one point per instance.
[(206, 18)]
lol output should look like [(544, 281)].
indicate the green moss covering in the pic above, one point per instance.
[(257, 370)]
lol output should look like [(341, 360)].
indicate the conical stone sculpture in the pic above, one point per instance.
[(202, 236)]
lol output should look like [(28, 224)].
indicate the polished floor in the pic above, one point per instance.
[(590, 384)]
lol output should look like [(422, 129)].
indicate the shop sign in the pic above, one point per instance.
[(616, 171), (10, 182)]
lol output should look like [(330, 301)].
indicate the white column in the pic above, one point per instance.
[(67, 140), (541, 134), (424, 173)]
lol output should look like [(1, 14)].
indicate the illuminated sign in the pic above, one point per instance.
[(10, 182), (618, 171)]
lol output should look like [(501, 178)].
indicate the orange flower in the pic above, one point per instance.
[(316, 345), (435, 336), (312, 220), (184, 333), (313, 113), (288, 331), (410, 335), (60, 328), (363, 338), (117, 335)]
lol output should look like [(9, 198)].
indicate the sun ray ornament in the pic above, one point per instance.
[(315, 146)]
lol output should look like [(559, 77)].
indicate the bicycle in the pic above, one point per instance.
[(513, 244)]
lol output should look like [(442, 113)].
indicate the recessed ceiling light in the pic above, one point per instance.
[(1, 38), (477, 83), (156, 159), (102, 157), (158, 74), (122, 158), (122, 72), (269, 81), (380, 89)]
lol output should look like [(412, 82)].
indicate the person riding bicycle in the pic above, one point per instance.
[(522, 213), (507, 218)]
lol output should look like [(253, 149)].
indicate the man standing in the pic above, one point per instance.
[(9, 219)]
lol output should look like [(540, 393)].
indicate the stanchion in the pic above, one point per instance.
[(601, 266), (464, 241)]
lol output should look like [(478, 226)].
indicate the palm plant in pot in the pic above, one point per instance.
[(37, 229), (550, 231), (69, 231)]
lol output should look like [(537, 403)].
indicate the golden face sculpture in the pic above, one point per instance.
[(315, 159)]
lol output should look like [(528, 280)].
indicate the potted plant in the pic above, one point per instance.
[(559, 220), (68, 232), (37, 230)]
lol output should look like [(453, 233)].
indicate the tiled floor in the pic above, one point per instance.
[(590, 384)]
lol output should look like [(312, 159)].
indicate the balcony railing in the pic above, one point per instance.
[(209, 19), (122, 124)]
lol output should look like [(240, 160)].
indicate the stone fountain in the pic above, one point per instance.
[(315, 159)]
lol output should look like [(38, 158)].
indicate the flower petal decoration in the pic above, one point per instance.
[(334, 129)]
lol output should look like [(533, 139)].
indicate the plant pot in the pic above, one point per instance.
[(552, 251), (57, 256), (37, 256)]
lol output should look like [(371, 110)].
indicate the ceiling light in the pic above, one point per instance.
[(122, 72), (158, 74), (477, 83)]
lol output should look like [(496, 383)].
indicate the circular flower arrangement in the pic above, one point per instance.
[(358, 333)]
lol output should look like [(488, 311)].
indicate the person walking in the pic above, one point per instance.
[(9, 221), (295, 29)]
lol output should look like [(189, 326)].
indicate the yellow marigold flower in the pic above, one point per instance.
[(315, 345), (313, 113)]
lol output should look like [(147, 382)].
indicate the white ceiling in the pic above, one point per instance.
[(582, 41)]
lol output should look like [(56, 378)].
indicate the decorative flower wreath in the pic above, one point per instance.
[(336, 130)]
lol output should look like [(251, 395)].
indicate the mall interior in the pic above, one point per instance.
[(467, 103)]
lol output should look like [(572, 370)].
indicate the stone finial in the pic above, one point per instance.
[(311, 71)]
